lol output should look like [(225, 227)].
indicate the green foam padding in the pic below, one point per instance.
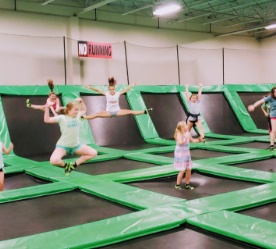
[(140, 174), (251, 230), (149, 158), (35, 191), (127, 195), (236, 200)]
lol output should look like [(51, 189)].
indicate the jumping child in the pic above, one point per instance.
[(112, 102), (52, 101), (69, 143), (194, 118)]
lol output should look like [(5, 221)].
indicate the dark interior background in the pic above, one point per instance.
[(28, 132), (112, 131), (258, 116)]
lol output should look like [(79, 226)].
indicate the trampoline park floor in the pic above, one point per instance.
[(125, 197)]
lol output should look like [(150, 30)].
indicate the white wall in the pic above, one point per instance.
[(31, 51)]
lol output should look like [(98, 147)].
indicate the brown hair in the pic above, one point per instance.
[(272, 92), (111, 81), (51, 86)]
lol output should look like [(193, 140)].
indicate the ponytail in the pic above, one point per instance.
[(111, 81), (51, 85)]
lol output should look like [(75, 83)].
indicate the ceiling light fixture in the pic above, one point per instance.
[(166, 9), (272, 26)]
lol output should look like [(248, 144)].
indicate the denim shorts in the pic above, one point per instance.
[(113, 114), (68, 149)]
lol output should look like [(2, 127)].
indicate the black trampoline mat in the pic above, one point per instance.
[(197, 154), (112, 166), (46, 157), (111, 131), (53, 212), (257, 116), (267, 165), (265, 212), (21, 180), (168, 110), (181, 237), (254, 145), (135, 146), (218, 114), (26, 126), (205, 185)]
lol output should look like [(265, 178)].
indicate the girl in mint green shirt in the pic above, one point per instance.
[(68, 143)]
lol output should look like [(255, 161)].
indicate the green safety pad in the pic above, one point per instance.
[(233, 159), (236, 200), (237, 173), (140, 174), (129, 196), (143, 157), (144, 122), (27, 90), (248, 229), (35, 191)]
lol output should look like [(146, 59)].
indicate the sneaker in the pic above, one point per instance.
[(69, 167), (148, 110), (177, 187), (28, 103), (188, 187), (271, 148)]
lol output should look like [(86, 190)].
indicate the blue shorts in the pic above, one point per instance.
[(68, 149), (113, 114)]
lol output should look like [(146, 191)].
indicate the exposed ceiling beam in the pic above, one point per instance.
[(47, 2), (241, 31), (138, 9), (97, 5)]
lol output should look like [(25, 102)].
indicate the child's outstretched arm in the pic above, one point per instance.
[(7, 150), (251, 108), (82, 106), (187, 92), (126, 90), (95, 89), (194, 140), (199, 91), (47, 118)]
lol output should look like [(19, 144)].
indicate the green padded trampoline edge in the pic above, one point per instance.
[(244, 228)]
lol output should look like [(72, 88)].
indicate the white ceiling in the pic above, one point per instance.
[(218, 17)]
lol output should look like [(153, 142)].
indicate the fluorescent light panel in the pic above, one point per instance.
[(272, 26), (166, 9)]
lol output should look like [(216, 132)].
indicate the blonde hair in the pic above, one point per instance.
[(194, 94), (178, 128)]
